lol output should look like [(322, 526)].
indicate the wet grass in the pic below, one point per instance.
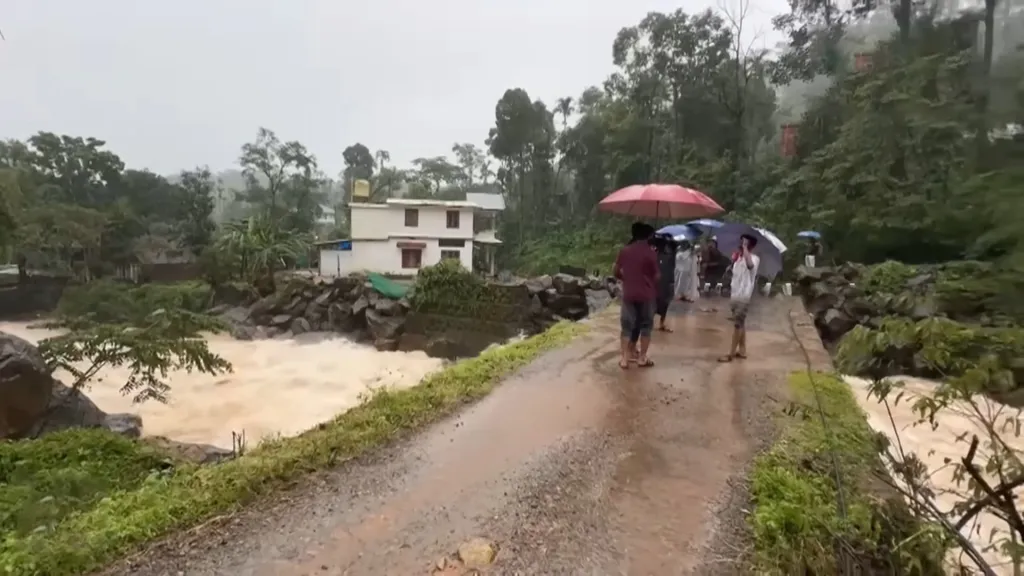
[(798, 526), (126, 517)]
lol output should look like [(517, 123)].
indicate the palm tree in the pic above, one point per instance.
[(564, 106), (259, 247)]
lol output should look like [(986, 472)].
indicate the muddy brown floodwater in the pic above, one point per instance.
[(572, 466)]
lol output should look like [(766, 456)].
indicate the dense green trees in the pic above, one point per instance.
[(905, 158)]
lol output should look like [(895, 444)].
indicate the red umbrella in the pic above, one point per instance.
[(660, 201)]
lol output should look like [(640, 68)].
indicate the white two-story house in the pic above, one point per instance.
[(400, 236)]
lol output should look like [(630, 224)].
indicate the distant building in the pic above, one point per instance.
[(327, 216), (400, 236)]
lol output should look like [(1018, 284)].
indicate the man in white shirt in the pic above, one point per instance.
[(744, 281)]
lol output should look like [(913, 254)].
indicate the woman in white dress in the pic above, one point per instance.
[(687, 284)]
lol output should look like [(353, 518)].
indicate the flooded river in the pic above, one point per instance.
[(277, 387), (934, 446)]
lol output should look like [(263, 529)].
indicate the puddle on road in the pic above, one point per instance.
[(686, 418)]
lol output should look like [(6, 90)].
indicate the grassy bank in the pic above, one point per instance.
[(796, 523), (119, 519)]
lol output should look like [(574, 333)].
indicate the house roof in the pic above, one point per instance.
[(486, 201), (326, 242), (439, 203)]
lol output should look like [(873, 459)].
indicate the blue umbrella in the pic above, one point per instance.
[(705, 224), (809, 234), (681, 232)]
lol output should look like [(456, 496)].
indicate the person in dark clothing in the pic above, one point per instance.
[(814, 251), (712, 263), (637, 268), (666, 250)]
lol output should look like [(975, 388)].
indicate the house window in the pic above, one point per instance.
[(451, 242), (412, 258), (412, 218), (451, 255), (453, 218)]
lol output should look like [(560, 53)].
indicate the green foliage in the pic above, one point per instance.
[(127, 519), (986, 358), (888, 277), (114, 302), (165, 341), (967, 291), (591, 247), (44, 481), (796, 522), (449, 289), (257, 248)]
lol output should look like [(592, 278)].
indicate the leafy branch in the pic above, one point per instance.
[(167, 341)]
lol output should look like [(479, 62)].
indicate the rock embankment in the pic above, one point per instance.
[(973, 293), (351, 305)]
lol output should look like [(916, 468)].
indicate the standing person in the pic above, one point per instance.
[(712, 263), (666, 248), (744, 280), (687, 282), (637, 268), (814, 250)]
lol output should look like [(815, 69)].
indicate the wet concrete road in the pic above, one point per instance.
[(572, 466)]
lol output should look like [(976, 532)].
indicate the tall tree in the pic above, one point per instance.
[(270, 166), (195, 208)]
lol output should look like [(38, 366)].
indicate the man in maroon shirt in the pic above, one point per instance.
[(637, 267)]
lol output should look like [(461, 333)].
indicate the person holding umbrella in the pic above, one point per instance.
[(744, 280), (814, 248), (637, 268)]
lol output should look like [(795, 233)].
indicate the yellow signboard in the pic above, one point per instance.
[(361, 189)]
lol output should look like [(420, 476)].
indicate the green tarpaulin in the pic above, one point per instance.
[(388, 288)]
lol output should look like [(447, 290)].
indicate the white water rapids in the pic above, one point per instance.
[(278, 387), (934, 446)]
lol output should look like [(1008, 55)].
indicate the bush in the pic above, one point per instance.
[(112, 302), (44, 481), (934, 348), (592, 247), (796, 522), (448, 288), (888, 277), (126, 519)]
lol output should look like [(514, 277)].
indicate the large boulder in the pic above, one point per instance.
[(26, 386), (71, 408), (538, 284), (384, 327), (569, 285)]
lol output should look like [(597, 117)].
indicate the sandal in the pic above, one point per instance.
[(623, 365), (664, 329), (726, 358), (740, 356), (645, 363)]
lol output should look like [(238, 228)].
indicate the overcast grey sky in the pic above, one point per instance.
[(173, 84)]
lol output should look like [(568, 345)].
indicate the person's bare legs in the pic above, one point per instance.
[(645, 323), (645, 343), (738, 346), (628, 318), (627, 352)]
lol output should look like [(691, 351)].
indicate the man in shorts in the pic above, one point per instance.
[(744, 282), (637, 268)]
